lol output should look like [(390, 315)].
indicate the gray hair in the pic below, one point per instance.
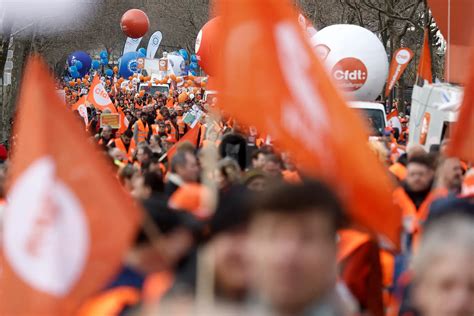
[(449, 233)]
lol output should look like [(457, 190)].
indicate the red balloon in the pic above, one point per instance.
[(206, 45), (135, 23)]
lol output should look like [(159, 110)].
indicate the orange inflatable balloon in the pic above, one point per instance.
[(179, 79), (206, 45), (190, 77), (78, 81), (130, 78), (107, 82), (185, 85), (150, 83), (115, 69), (203, 84), (190, 83), (173, 77), (182, 97), (134, 23), (142, 93)]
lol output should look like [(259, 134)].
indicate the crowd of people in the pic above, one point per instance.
[(264, 239)]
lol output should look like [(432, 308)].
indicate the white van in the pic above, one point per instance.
[(434, 109), (373, 113), (160, 88)]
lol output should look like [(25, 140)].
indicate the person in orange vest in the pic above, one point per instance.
[(106, 136), (141, 129), (148, 269), (399, 168), (182, 128), (290, 173), (360, 269), (125, 144), (450, 174), (415, 196)]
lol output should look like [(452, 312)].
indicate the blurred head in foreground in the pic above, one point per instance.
[(443, 268), (292, 247)]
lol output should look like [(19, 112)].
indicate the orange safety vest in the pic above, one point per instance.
[(113, 301), (121, 146), (414, 218), (399, 170), (291, 176), (142, 131), (181, 125)]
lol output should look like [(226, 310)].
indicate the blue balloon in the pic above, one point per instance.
[(193, 72), (109, 72), (84, 59), (194, 66), (141, 55), (78, 64), (75, 75), (184, 53), (128, 64), (142, 51), (95, 64), (194, 58), (72, 69), (103, 54), (104, 61)]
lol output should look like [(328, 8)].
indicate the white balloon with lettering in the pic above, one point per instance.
[(355, 58)]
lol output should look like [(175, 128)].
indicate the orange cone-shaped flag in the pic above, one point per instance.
[(425, 71), (462, 144), (99, 97), (63, 239), (299, 106)]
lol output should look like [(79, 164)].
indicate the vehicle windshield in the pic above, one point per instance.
[(154, 89), (375, 119)]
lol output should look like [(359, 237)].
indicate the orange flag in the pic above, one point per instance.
[(192, 136), (401, 59), (99, 97), (462, 145), (300, 107), (81, 108), (63, 239), (425, 71), (123, 122)]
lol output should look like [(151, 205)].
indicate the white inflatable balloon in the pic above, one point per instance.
[(355, 58)]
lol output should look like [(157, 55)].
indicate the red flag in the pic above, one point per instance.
[(462, 144), (191, 136), (99, 97), (400, 61), (425, 71), (63, 238), (299, 106)]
